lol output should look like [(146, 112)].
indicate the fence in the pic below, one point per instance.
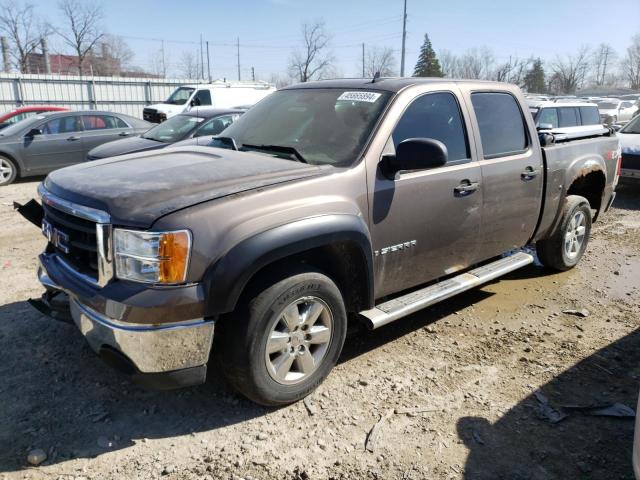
[(116, 94)]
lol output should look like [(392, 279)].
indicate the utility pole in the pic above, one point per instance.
[(362, 59), (208, 63), (201, 59), (404, 38), (238, 47), (164, 66), (604, 66), (253, 74)]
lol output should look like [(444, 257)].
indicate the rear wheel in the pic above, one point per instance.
[(564, 249), (8, 171), (284, 339)]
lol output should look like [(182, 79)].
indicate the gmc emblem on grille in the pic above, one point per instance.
[(58, 239)]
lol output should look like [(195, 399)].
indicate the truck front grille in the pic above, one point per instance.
[(151, 115), (631, 161), (79, 248)]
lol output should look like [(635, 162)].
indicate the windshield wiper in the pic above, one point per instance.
[(278, 148)]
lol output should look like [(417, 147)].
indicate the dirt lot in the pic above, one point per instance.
[(454, 385)]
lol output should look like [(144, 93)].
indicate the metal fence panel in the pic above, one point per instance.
[(116, 94)]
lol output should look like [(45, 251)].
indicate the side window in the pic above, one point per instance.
[(502, 127), (68, 124), (102, 122), (590, 115), (17, 118), (215, 125), (568, 117), (437, 116), (626, 105), (549, 116), (202, 97)]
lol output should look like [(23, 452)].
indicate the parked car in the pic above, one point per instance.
[(14, 116), (615, 111), (197, 123), (553, 115), (43, 143), (324, 200), (216, 94), (629, 137)]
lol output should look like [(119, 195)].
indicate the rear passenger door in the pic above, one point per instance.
[(101, 128), (512, 176), (423, 224)]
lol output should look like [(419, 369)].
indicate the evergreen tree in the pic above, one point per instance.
[(428, 64), (534, 79)]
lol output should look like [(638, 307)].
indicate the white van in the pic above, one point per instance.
[(216, 94)]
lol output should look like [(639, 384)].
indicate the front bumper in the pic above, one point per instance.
[(151, 350)]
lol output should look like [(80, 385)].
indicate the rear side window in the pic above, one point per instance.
[(215, 125), (502, 127), (590, 115), (437, 116), (548, 116), (568, 117), (202, 97), (102, 122)]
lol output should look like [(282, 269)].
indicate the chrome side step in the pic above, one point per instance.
[(399, 307)]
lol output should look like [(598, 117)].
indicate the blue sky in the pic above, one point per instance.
[(269, 29)]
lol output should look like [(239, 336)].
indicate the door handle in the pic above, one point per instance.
[(529, 174), (124, 134), (465, 188), (73, 139)]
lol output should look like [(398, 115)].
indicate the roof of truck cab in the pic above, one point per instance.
[(393, 84)]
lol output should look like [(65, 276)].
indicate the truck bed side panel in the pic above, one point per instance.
[(566, 162)]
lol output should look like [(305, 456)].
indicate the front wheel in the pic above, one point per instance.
[(284, 339), (8, 171), (565, 247)]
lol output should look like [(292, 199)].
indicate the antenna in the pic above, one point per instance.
[(375, 77)]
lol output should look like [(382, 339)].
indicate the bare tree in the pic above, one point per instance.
[(476, 63), (189, 66), (603, 58), (114, 55), (631, 63), (449, 63), (570, 72), (18, 22), (313, 59), (379, 59), (513, 71), (83, 27)]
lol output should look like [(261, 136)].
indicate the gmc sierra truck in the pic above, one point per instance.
[(326, 202)]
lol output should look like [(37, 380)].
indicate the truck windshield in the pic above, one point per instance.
[(180, 96), (323, 126), (632, 127), (174, 129)]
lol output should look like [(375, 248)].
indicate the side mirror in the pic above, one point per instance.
[(616, 127), (545, 126), (195, 102), (415, 154), (33, 132)]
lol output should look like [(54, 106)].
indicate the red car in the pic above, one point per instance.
[(21, 113)]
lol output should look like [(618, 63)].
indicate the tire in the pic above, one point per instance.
[(565, 247), (273, 320), (8, 171)]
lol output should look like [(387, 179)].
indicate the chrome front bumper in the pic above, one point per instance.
[(150, 348)]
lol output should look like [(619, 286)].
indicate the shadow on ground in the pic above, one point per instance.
[(521, 445)]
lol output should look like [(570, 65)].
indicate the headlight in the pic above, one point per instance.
[(152, 257)]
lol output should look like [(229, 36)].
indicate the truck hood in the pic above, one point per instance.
[(137, 189), (124, 146), (167, 108)]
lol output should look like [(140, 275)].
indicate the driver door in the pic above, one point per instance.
[(424, 225), (59, 144)]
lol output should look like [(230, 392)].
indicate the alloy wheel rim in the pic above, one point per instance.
[(5, 170), (298, 340), (575, 234)]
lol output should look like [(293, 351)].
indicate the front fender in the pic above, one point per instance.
[(225, 280)]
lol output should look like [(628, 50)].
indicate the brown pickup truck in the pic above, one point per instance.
[(326, 202)]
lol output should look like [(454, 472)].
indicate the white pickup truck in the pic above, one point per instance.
[(217, 95)]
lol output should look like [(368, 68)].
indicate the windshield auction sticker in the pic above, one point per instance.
[(369, 97)]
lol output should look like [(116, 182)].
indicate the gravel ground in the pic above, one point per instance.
[(451, 390)]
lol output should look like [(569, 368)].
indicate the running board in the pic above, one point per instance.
[(399, 307)]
